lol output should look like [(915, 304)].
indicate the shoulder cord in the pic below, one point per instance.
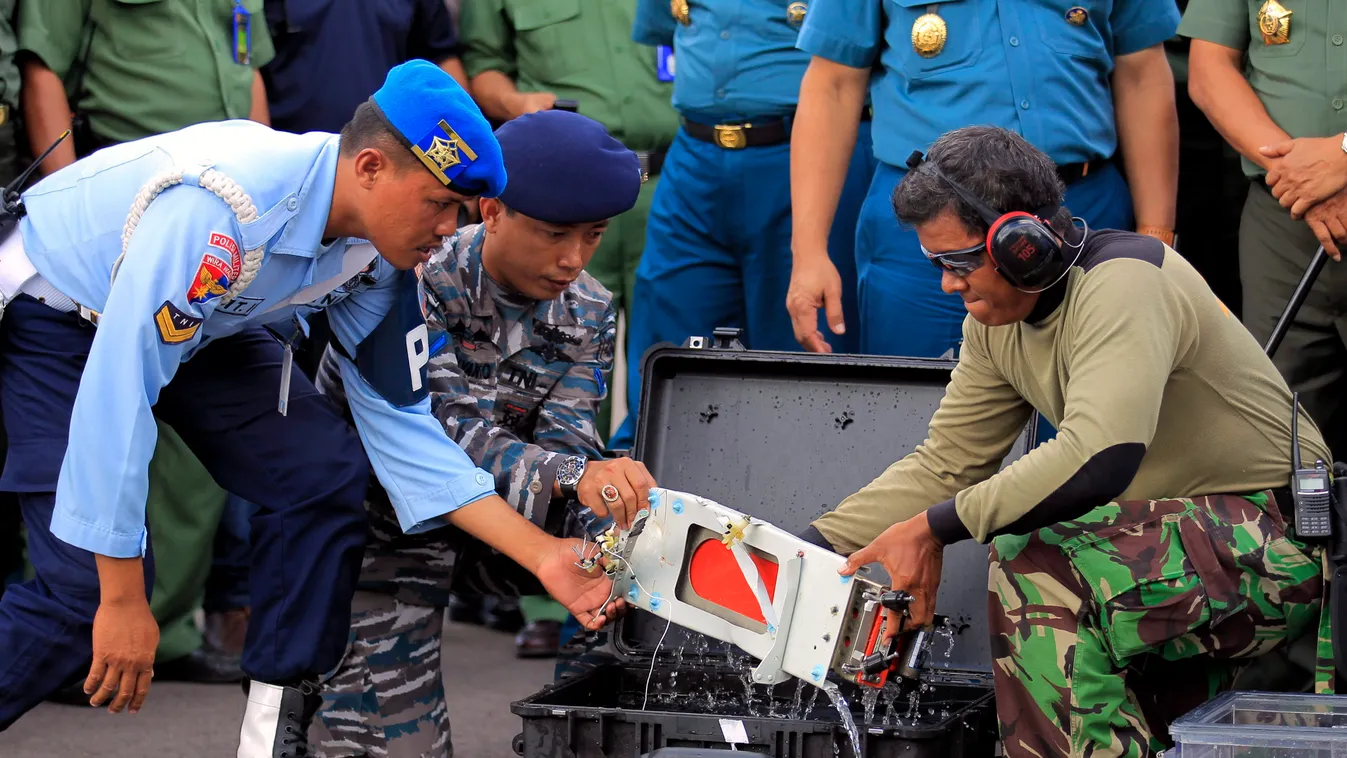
[(223, 187)]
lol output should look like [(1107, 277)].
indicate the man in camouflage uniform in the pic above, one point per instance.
[(522, 343), (1141, 557)]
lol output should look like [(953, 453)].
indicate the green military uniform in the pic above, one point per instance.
[(1211, 187), (153, 66), (10, 138), (1169, 400), (1302, 82), (582, 50), (185, 504)]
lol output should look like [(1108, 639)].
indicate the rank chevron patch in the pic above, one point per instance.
[(175, 327)]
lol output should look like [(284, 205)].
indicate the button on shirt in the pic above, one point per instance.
[(331, 55), (1018, 65), (152, 66), (1303, 82), (736, 59), (579, 50), (72, 233)]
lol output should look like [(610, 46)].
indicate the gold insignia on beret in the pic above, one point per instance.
[(1274, 21), (929, 34), (1077, 16), (680, 11), (443, 151), (795, 13)]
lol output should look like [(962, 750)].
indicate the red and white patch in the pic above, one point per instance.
[(230, 247)]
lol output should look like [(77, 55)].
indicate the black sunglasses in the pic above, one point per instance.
[(958, 262)]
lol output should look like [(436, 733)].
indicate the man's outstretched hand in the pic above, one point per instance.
[(584, 593), (913, 557), (125, 638)]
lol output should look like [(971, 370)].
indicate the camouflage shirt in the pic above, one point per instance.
[(516, 382)]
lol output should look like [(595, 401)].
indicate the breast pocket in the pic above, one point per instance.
[(140, 29), (1073, 27), (1277, 25), (934, 38), (545, 33)]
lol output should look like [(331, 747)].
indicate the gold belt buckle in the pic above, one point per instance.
[(731, 136)]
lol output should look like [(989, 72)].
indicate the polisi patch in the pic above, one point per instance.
[(220, 267), (175, 327)]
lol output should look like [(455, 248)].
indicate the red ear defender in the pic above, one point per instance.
[(1025, 250)]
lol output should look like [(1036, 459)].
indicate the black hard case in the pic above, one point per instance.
[(781, 436)]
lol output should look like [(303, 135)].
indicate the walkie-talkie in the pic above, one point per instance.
[(1309, 488)]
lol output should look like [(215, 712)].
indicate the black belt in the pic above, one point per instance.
[(1071, 173), (749, 133), (651, 161), (740, 136)]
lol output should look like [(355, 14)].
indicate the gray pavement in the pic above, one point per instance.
[(482, 677)]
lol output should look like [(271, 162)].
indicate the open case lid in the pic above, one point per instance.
[(785, 437)]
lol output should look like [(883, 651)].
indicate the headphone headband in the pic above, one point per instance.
[(1022, 246), (988, 214)]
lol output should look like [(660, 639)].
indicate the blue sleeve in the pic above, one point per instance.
[(655, 24), (426, 474), (151, 319), (848, 32), (1139, 24)]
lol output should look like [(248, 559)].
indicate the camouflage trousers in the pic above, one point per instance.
[(386, 698), (1106, 628)]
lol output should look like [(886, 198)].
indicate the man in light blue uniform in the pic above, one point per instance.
[(718, 238), (139, 286), (1080, 79)]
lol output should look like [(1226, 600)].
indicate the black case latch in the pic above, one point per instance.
[(722, 338)]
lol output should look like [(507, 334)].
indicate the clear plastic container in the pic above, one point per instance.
[(1264, 725)]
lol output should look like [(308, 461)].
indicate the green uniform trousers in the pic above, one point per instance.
[(1274, 250), (183, 509), (1107, 628)]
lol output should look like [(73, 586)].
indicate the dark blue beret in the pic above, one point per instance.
[(566, 169), (443, 127)]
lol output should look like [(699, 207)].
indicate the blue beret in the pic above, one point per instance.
[(566, 169), (443, 127)]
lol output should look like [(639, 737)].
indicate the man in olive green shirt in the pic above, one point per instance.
[(1152, 529), (139, 68), (132, 70), (523, 57), (1273, 81), (9, 94)]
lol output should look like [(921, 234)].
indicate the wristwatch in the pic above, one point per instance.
[(569, 473)]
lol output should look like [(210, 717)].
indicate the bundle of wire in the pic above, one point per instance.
[(618, 562)]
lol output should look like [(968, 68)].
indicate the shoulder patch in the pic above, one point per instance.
[(175, 327), (220, 267)]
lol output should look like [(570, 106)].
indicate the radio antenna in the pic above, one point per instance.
[(1295, 430), (9, 196)]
